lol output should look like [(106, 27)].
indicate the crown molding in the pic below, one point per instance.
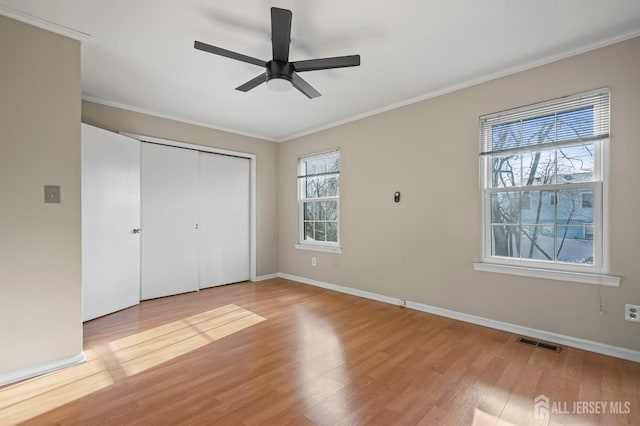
[(469, 83), (43, 24), (145, 111)]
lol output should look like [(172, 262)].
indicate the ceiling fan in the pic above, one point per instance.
[(280, 74)]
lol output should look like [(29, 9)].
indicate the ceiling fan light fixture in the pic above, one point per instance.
[(279, 76), (278, 84)]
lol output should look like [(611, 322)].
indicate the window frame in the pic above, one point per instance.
[(328, 246), (597, 185), (595, 273)]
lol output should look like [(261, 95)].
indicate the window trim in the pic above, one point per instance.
[(551, 274), (597, 273), (318, 247), (322, 246)]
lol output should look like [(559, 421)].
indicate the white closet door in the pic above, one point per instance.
[(170, 254), (110, 213), (224, 219)]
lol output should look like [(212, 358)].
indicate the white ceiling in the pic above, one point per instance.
[(140, 54)]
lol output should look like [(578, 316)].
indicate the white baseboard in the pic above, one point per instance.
[(587, 345), (40, 369), (265, 277), (341, 289)]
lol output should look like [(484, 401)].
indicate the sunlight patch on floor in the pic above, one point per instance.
[(482, 418), (150, 348), (30, 398), (106, 365)]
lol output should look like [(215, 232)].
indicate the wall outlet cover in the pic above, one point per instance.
[(632, 313)]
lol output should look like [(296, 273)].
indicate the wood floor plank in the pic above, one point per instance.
[(279, 352)]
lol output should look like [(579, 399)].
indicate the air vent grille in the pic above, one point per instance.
[(543, 345)]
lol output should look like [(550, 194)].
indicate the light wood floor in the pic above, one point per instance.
[(278, 352)]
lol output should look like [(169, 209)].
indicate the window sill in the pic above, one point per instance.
[(577, 277), (313, 247)]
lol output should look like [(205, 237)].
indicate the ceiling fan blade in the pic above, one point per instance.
[(280, 33), (327, 63), (254, 82), (301, 84), (229, 54)]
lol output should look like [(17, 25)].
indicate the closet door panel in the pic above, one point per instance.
[(224, 219), (170, 247), (110, 214)]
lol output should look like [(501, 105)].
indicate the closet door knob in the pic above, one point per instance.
[(136, 230)]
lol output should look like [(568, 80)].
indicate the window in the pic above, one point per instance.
[(543, 185), (319, 200)]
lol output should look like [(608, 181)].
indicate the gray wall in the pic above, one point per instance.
[(423, 248), (116, 119), (40, 271)]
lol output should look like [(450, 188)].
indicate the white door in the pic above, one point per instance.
[(224, 219), (110, 213), (170, 255)]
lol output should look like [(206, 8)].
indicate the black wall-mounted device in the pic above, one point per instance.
[(396, 197)]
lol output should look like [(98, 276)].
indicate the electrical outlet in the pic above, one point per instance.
[(632, 313), (313, 261)]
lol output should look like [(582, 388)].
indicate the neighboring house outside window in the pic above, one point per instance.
[(543, 171), (319, 201)]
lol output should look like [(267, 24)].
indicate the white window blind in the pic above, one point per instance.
[(567, 120)]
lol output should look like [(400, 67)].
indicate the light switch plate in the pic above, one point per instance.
[(52, 194)]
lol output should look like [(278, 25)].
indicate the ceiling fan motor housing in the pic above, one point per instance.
[(280, 69)]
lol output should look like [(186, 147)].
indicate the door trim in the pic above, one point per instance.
[(252, 183)]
